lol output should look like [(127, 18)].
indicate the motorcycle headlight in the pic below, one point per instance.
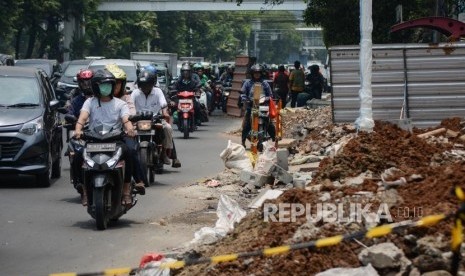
[(226, 94), (32, 127), (88, 160), (112, 161), (144, 125)]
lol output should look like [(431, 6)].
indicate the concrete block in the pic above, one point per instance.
[(257, 179), (282, 158), (278, 172), (287, 143)]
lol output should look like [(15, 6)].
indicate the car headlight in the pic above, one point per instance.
[(110, 163), (88, 160), (32, 127)]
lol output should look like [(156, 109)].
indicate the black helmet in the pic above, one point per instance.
[(103, 81), (147, 75), (186, 67)]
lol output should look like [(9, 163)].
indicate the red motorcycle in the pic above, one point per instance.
[(185, 112), (217, 95)]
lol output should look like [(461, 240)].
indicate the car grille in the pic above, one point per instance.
[(10, 147)]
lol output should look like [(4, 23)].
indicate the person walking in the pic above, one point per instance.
[(296, 82)]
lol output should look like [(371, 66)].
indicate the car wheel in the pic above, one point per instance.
[(45, 179), (56, 168)]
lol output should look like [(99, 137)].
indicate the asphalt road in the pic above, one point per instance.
[(46, 230)]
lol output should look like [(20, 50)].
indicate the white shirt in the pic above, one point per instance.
[(108, 113), (155, 101)]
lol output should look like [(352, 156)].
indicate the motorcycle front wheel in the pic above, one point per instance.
[(100, 196), (186, 128), (144, 163)]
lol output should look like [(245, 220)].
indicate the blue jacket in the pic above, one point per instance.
[(248, 85), (76, 104)]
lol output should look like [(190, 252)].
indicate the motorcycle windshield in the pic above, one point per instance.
[(104, 131)]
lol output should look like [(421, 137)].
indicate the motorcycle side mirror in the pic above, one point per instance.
[(74, 79), (71, 119)]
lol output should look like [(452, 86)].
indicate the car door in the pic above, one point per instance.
[(51, 118)]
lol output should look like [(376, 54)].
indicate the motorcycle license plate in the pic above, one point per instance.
[(185, 101), (100, 147), (264, 108)]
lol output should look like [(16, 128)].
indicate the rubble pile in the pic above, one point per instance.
[(406, 175)]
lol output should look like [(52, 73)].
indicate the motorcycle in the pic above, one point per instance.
[(103, 174), (227, 87), (263, 116), (218, 95), (150, 137), (201, 96), (184, 114)]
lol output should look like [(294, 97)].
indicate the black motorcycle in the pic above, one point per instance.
[(227, 87), (150, 137), (103, 174)]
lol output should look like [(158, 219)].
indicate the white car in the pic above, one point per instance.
[(131, 67)]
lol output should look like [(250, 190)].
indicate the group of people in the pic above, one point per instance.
[(293, 84), (101, 98)]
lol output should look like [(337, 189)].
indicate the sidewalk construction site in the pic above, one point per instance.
[(330, 201)]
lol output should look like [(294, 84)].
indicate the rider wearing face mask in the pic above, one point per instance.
[(103, 108)]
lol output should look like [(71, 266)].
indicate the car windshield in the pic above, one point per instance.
[(73, 69), (18, 90), (129, 70), (47, 68)]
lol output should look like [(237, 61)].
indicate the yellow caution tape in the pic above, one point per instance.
[(457, 235), (459, 193), (276, 250), (224, 258), (324, 242), (117, 271), (430, 220), (379, 231), (329, 241)]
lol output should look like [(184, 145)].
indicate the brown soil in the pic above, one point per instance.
[(387, 146)]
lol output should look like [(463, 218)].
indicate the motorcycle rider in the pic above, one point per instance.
[(188, 82), (147, 97), (80, 95), (246, 91), (227, 76), (204, 85), (120, 93), (103, 108)]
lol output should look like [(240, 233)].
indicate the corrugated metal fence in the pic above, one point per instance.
[(431, 79)]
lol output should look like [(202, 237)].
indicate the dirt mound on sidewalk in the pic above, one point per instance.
[(431, 167)]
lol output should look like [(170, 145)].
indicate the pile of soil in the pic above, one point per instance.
[(429, 192)]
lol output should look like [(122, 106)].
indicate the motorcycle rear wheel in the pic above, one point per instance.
[(100, 196)]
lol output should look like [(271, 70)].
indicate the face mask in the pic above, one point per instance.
[(105, 89)]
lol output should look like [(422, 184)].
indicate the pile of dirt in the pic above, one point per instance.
[(428, 169)]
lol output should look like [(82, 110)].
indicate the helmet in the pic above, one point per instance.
[(256, 68), (119, 75), (84, 81), (186, 67), (101, 77), (147, 75), (197, 67)]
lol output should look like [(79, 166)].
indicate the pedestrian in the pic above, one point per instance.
[(296, 82), (281, 84)]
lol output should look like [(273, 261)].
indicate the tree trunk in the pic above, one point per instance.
[(32, 41), (18, 41)]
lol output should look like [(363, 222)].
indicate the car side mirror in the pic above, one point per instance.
[(54, 104), (74, 79), (57, 74)]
